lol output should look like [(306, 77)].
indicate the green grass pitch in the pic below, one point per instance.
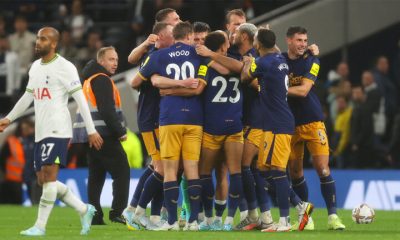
[(64, 224)]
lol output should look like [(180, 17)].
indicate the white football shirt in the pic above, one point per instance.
[(51, 84)]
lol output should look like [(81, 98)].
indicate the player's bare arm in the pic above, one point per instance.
[(4, 123), (183, 92), (219, 68), (301, 90), (136, 82), (140, 50), (164, 82), (245, 73), (230, 63)]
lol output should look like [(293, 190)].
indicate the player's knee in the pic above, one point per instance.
[(323, 171)]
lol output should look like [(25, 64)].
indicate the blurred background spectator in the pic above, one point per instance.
[(16, 163)]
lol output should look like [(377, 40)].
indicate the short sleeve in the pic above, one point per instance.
[(312, 68), (29, 87), (149, 67), (69, 78), (255, 70)]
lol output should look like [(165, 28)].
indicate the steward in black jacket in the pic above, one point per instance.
[(105, 107)]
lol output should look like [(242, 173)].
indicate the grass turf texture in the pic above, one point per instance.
[(64, 224)]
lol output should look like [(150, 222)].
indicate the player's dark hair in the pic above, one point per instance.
[(163, 13), (296, 29), (266, 38), (201, 27), (214, 40), (159, 26), (181, 30), (238, 12)]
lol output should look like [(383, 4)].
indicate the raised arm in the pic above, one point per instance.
[(138, 52), (230, 63)]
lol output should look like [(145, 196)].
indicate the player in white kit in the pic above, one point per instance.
[(52, 79)]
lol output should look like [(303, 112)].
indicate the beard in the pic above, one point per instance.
[(43, 51)]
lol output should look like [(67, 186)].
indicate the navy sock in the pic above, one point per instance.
[(152, 186), (282, 191), (243, 204), (235, 193), (300, 187), (171, 194), (328, 189), (157, 203), (207, 194), (263, 199), (219, 208), (270, 185), (249, 190), (194, 192), (294, 198), (139, 188)]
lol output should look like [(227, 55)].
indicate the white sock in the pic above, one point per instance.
[(49, 196), (65, 194), (243, 215), (201, 216), (266, 217), (155, 219), (208, 220), (131, 209), (219, 218), (164, 210), (228, 220), (285, 221), (140, 211), (253, 214)]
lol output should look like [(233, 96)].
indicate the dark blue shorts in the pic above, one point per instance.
[(50, 151)]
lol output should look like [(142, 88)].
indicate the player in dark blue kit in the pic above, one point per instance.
[(150, 183), (181, 120), (222, 133), (252, 181), (271, 70), (310, 128)]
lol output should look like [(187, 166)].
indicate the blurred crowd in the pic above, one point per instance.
[(362, 115)]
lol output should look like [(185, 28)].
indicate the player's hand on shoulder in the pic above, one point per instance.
[(190, 83), (314, 49), (247, 59), (123, 138), (95, 140), (203, 51), (4, 122), (151, 39)]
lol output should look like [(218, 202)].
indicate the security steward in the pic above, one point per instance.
[(105, 107)]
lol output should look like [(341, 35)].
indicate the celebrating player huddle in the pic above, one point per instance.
[(209, 101), (220, 105)]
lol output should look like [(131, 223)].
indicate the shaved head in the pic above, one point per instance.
[(52, 33), (46, 41)]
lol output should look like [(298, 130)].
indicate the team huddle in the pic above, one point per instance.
[(209, 102), (237, 97)]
